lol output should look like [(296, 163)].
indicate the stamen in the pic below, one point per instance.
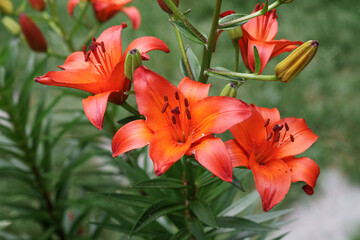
[(173, 119), (176, 111), (177, 95), (286, 126), (267, 122), (277, 128), (277, 137), (166, 98), (84, 49), (103, 47), (187, 111), (186, 102), (93, 39), (271, 134), (165, 107), (292, 138), (87, 56)]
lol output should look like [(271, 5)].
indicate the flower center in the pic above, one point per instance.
[(99, 59), (179, 117)]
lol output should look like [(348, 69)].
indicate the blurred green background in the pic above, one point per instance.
[(325, 93)]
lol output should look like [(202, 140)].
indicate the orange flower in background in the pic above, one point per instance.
[(38, 5), (33, 34), (106, 9), (100, 71), (267, 145), (260, 32), (180, 121)]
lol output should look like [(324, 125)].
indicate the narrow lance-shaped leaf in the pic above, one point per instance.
[(257, 60), (203, 211), (188, 33)]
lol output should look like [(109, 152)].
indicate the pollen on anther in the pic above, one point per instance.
[(93, 39), (175, 110), (267, 122), (186, 102), (292, 138), (103, 47), (165, 107), (87, 56), (271, 134), (277, 137), (84, 49), (173, 119), (177, 95), (286, 126), (187, 111), (166, 98)]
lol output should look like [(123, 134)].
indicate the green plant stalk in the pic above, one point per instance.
[(183, 53), (130, 108), (237, 55), (179, 15), (250, 16), (65, 36), (250, 76), (207, 52), (79, 19)]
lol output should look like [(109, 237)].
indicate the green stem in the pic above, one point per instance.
[(53, 54), (129, 108), (79, 19), (250, 76), (181, 16), (183, 53), (250, 16), (207, 52), (237, 55)]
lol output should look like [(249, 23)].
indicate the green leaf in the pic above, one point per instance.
[(205, 179), (232, 17), (163, 182), (240, 205), (203, 211), (237, 183), (257, 60), (156, 210), (129, 199), (260, 218), (196, 228), (281, 236), (182, 234), (242, 224), (193, 61), (188, 33)]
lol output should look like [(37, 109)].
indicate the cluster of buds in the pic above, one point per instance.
[(291, 66), (132, 61)]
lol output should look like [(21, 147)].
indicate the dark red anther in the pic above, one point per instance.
[(93, 39), (267, 122), (92, 47), (173, 119), (103, 47), (187, 111), (166, 98), (292, 138), (87, 56), (271, 134), (176, 111), (186, 102), (277, 128), (277, 137), (165, 107), (84, 49), (177, 95), (286, 126)]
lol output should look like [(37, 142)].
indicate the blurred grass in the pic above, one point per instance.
[(325, 93)]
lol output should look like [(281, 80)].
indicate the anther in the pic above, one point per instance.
[(187, 111), (92, 47), (186, 102), (103, 47), (84, 49), (165, 107), (166, 98), (177, 95), (277, 137), (173, 119), (267, 122), (292, 138), (175, 111), (87, 56), (93, 39), (286, 126), (277, 128), (271, 134)]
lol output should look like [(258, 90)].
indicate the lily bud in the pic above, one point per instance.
[(230, 90), (293, 64), (132, 61), (6, 6), (38, 5), (165, 7), (11, 25), (32, 33)]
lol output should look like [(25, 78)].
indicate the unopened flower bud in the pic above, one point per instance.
[(132, 61), (11, 25), (6, 6), (293, 64), (230, 90), (32, 33), (165, 7), (38, 5)]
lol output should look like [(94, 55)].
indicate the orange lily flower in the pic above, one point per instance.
[(180, 121), (106, 9), (100, 71), (267, 145), (260, 32)]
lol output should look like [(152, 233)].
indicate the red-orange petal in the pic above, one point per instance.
[(94, 108), (212, 154), (217, 114), (75, 61), (146, 44), (71, 5), (268, 113), (305, 170), (238, 157), (133, 135), (283, 45), (193, 90), (303, 138), (150, 89), (165, 150), (272, 181), (134, 16), (263, 28)]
